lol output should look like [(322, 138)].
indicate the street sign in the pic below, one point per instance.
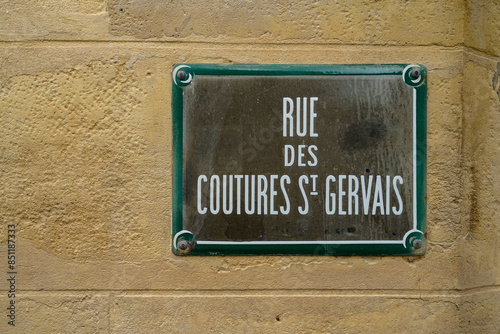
[(299, 159)]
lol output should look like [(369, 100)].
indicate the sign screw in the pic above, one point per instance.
[(181, 75), (183, 245), (415, 74), (417, 244)]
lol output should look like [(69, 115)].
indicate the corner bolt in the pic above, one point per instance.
[(181, 75), (415, 74), (183, 245)]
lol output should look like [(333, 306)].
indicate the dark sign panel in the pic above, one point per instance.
[(299, 159)]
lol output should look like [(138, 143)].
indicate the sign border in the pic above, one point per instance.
[(413, 243)]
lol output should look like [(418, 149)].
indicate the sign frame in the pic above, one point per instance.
[(414, 241)]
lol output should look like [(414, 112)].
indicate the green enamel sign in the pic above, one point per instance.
[(299, 159)]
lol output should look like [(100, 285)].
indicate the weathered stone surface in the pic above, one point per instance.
[(482, 26), (393, 22), (85, 168), (329, 313), (481, 147), (89, 158), (53, 20), (479, 311), (89, 164), (57, 312), (362, 21)]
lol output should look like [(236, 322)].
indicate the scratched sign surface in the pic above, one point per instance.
[(312, 159)]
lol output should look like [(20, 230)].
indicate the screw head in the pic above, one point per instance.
[(415, 74), (181, 75), (183, 245), (417, 244)]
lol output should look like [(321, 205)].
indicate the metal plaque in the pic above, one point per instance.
[(299, 159)]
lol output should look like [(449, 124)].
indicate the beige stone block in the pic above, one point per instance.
[(444, 113), (481, 143), (57, 312), (482, 25), (53, 20), (86, 164), (238, 312), (481, 172), (47, 271), (86, 171), (480, 311), (393, 22)]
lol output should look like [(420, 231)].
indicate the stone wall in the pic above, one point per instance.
[(86, 157)]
